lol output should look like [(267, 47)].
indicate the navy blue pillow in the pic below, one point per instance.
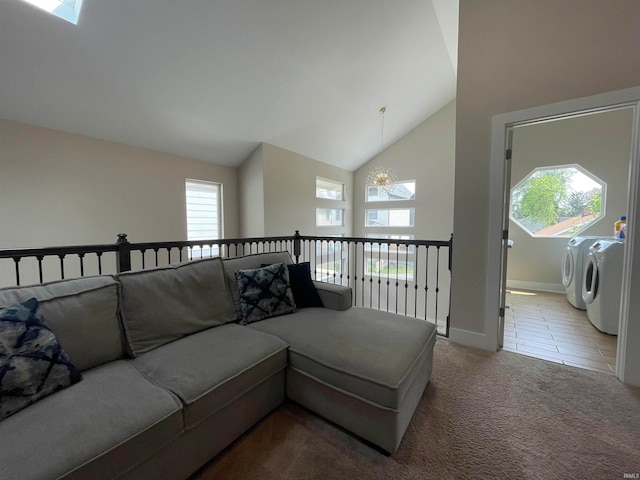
[(305, 292), (32, 362)]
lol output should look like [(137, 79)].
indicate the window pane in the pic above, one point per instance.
[(399, 248), (558, 201), (329, 189), (203, 210), (390, 217), (329, 217), (405, 190)]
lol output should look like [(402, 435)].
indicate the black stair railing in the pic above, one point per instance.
[(407, 277)]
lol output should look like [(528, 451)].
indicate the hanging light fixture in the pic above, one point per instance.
[(382, 176)]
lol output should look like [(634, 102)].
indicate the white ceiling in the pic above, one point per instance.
[(212, 79)]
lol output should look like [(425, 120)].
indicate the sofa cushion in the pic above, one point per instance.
[(113, 419), (32, 363), (232, 265), (264, 292), (83, 314), (371, 354), (212, 368), (163, 304)]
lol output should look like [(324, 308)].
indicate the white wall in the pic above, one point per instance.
[(601, 143), (516, 55), (426, 155), (251, 195), (60, 189), (290, 193)]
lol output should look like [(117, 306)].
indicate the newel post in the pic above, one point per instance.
[(296, 246), (123, 254)]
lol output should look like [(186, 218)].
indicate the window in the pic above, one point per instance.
[(329, 217), (390, 217), (389, 260), (557, 201), (405, 190), (329, 189), (68, 10), (384, 247), (204, 214)]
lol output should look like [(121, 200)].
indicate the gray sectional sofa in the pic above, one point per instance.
[(170, 377)]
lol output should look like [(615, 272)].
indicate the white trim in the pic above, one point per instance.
[(630, 308), (630, 304), (536, 286), (470, 339)]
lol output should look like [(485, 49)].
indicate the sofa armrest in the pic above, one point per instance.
[(335, 297)]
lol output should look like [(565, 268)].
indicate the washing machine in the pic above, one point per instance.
[(602, 284), (572, 267)]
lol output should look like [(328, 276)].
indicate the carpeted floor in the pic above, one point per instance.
[(483, 416)]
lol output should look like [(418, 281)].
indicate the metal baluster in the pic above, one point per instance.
[(388, 272), (415, 283), (40, 258), (81, 256), (99, 262), (406, 278), (437, 282), (61, 256), (379, 274), (397, 282), (156, 255), (16, 261), (426, 283), (371, 275)]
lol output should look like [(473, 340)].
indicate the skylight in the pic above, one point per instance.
[(68, 10)]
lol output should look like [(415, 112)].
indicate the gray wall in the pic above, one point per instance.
[(251, 195), (601, 143), (511, 56), (59, 189)]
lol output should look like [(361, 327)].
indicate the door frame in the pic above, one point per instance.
[(629, 307)]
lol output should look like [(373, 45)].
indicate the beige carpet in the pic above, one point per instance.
[(484, 415)]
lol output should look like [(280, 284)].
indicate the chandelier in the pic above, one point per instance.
[(381, 176)]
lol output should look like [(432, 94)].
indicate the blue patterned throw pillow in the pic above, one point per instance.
[(32, 362), (265, 292)]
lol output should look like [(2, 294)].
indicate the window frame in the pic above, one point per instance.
[(190, 187), (387, 200), (335, 183), (569, 232), (412, 214)]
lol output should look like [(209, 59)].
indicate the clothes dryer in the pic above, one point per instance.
[(572, 266), (602, 284)]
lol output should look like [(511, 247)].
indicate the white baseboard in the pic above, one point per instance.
[(467, 338), (537, 286)]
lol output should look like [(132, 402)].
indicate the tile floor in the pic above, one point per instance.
[(545, 325)]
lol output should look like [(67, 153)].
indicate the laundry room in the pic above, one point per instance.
[(569, 180)]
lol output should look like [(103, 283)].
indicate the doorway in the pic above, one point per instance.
[(568, 177), (629, 333)]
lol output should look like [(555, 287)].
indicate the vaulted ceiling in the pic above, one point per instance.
[(213, 79)]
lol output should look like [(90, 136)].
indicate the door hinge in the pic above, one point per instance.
[(505, 234), (508, 154), (502, 312)]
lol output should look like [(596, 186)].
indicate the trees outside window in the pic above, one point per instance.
[(557, 201)]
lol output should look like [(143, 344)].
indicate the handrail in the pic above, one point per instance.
[(405, 276)]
